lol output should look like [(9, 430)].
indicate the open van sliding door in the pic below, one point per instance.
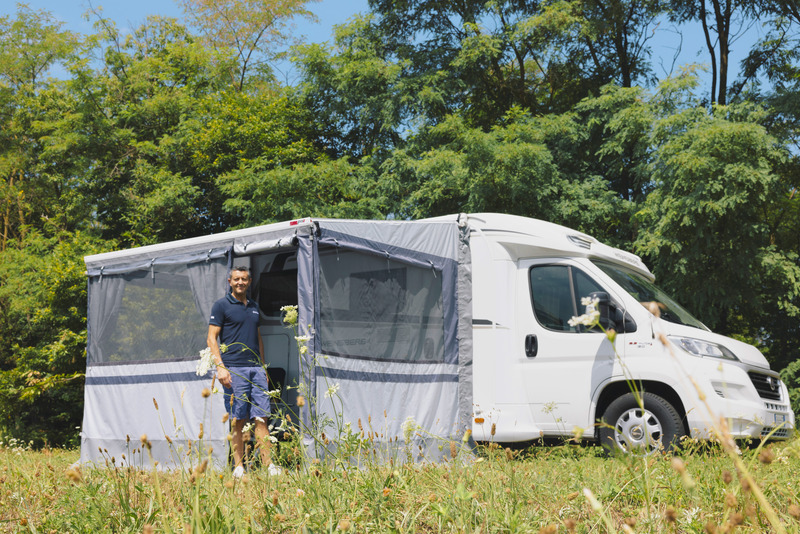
[(561, 365)]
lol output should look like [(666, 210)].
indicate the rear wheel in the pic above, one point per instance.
[(629, 428)]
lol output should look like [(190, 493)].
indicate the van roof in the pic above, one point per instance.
[(518, 233)]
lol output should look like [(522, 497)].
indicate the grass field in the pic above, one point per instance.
[(561, 488)]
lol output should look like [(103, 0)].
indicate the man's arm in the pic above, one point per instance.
[(223, 375)]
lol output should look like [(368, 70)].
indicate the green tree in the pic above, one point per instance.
[(261, 193), (356, 92), (723, 21), (484, 58), (455, 168), (43, 336), (30, 44), (255, 32), (130, 119), (706, 226)]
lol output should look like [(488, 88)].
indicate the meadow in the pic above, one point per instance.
[(544, 488)]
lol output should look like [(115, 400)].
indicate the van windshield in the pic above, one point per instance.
[(644, 290)]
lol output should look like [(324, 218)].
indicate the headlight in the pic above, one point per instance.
[(698, 347)]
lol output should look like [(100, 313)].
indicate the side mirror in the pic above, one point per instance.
[(611, 316), (604, 306)]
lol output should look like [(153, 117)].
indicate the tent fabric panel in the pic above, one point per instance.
[(465, 345), (389, 378), (156, 314), (196, 246), (401, 411), (379, 308), (421, 244), (307, 315), (145, 264), (386, 394), (435, 239), (116, 408)]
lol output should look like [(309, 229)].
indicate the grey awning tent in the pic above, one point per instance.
[(387, 306)]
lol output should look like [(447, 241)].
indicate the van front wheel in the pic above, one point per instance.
[(629, 427)]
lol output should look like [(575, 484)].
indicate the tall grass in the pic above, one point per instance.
[(713, 486), (543, 488)]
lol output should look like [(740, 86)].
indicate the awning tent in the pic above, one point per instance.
[(386, 305)]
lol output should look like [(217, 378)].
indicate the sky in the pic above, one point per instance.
[(131, 13)]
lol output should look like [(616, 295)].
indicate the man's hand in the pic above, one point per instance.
[(224, 376)]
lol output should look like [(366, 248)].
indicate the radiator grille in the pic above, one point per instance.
[(768, 386)]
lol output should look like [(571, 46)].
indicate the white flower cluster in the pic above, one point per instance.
[(206, 362), (332, 391), (302, 343), (290, 314), (591, 315), (409, 426)]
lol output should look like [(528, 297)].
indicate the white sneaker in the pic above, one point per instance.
[(238, 472), (274, 470)]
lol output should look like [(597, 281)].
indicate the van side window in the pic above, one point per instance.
[(556, 291)]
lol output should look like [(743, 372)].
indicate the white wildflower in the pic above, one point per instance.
[(247, 428), (290, 314), (215, 390), (332, 391), (302, 343), (409, 426), (591, 315), (206, 362), (223, 348)]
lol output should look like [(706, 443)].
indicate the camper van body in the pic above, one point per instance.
[(534, 378), (458, 322)]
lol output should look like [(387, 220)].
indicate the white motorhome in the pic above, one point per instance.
[(535, 375), (459, 322)]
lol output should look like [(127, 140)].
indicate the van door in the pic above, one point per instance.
[(562, 365)]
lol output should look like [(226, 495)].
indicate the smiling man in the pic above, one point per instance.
[(233, 325)]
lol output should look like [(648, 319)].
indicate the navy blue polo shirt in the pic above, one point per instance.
[(239, 325)]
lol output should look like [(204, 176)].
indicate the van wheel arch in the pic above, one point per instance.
[(617, 389)]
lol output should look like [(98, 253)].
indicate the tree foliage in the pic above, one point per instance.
[(253, 31)]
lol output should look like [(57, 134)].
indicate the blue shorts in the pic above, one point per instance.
[(249, 394)]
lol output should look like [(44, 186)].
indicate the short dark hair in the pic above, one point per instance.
[(241, 268)]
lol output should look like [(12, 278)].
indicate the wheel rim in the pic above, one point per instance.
[(638, 430)]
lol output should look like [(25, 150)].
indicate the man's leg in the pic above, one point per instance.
[(264, 444), (238, 441), (260, 409)]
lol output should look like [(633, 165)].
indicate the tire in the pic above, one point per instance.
[(626, 428)]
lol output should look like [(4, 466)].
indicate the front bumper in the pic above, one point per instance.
[(745, 402)]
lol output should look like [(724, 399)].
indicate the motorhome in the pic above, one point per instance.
[(535, 374), (461, 323)]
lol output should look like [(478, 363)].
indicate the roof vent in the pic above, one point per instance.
[(580, 241)]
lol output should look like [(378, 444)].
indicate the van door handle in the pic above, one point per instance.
[(531, 345)]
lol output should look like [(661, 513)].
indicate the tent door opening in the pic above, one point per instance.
[(275, 286)]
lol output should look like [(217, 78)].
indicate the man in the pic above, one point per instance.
[(240, 368)]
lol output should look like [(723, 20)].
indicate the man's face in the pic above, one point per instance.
[(239, 281)]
